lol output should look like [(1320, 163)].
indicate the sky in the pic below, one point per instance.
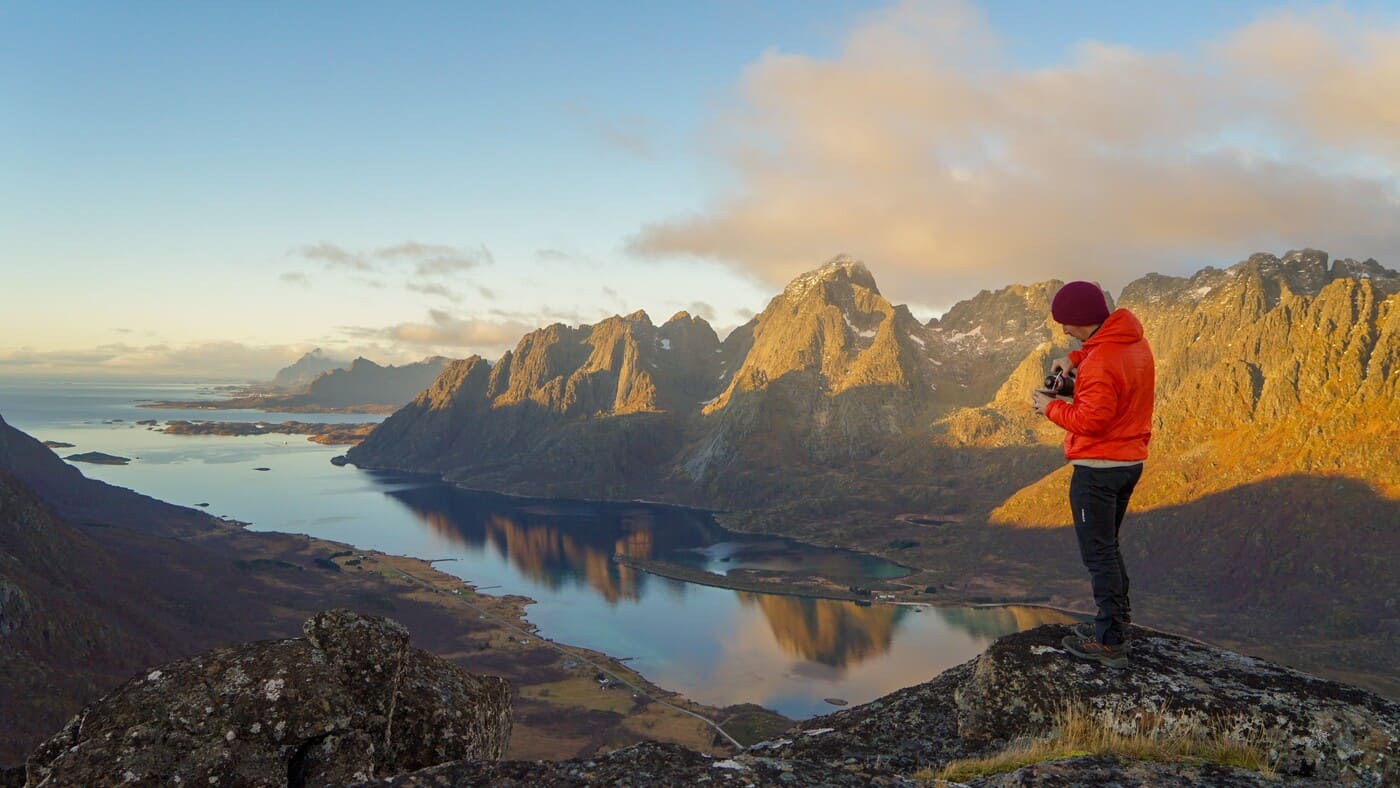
[(206, 191)]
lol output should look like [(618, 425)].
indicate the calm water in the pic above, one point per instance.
[(715, 645)]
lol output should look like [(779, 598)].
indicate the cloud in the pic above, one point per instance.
[(552, 256), (436, 259), (923, 151), (335, 257), (701, 309), (448, 334), (1341, 71), (628, 135), (295, 278), (429, 261), (433, 288), (614, 298), (198, 361)]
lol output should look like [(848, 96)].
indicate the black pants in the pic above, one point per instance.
[(1099, 499)]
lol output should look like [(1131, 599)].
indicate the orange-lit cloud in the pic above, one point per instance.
[(446, 330), (922, 150)]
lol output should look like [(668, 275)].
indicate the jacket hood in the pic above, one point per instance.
[(1121, 327)]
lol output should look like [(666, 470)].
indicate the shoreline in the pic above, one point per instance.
[(701, 577), (508, 644)]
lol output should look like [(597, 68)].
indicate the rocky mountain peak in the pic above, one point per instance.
[(1305, 272), (841, 269), (991, 316), (640, 316)]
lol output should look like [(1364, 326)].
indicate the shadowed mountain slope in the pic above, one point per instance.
[(365, 382)]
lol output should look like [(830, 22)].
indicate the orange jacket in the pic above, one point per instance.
[(1111, 416)]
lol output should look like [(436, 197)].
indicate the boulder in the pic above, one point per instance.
[(1316, 729), (349, 701)]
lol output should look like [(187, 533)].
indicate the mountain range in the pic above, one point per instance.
[(837, 417), (299, 374), (313, 385)]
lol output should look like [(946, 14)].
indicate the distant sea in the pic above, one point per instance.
[(717, 646)]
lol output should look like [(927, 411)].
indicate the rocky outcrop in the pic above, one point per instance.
[(1314, 728), (349, 701), (1317, 732)]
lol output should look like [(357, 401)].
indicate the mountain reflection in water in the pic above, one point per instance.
[(559, 543), (828, 631), (571, 544)]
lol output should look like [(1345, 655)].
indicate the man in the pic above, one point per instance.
[(1108, 425)]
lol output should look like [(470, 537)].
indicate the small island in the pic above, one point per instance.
[(58, 445), (327, 434), (98, 458)]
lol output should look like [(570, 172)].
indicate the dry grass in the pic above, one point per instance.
[(1079, 730)]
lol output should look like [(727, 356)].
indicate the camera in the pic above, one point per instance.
[(1060, 384)]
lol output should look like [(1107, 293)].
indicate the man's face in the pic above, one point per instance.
[(1080, 333)]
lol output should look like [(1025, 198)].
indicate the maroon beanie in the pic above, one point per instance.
[(1079, 304)]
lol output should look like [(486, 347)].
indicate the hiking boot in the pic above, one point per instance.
[(1091, 649), (1087, 631)]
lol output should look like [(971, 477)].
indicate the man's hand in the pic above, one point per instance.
[(1062, 364), (1039, 399)]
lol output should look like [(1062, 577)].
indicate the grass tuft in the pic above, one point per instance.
[(1079, 731)]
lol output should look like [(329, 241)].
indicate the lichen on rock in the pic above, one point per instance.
[(350, 701)]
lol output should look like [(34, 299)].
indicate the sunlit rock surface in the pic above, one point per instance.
[(1316, 728), (349, 701)]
